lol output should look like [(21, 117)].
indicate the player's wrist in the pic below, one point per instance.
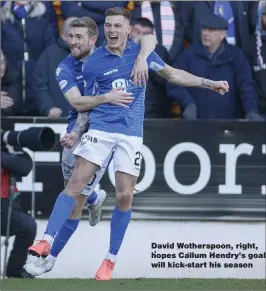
[(142, 56), (76, 133), (206, 83), (105, 98)]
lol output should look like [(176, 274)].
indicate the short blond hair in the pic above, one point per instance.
[(86, 22)]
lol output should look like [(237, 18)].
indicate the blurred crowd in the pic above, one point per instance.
[(219, 40)]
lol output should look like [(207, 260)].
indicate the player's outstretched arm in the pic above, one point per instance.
[(85, 103), (185, 79), (140, 72)]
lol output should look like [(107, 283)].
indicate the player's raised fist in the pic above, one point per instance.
[(221, 87)]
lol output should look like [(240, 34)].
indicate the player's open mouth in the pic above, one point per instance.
[(113, 38)]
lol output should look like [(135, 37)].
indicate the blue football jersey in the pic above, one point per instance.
[(69, 75), (103, 71)]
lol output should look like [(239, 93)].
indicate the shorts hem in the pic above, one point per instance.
[(127, 172), (89, 160)]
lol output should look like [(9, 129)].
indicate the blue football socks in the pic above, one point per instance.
[(63, 235), (92, 198), (119, 223), (61, 211)]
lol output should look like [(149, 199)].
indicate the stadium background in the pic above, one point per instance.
[(200, 216)]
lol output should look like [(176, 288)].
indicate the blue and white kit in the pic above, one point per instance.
[(69, 75), (111, 126)]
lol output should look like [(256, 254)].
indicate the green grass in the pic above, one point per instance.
[(132, 284)]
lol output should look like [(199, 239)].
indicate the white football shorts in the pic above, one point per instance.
[(68, 164), (96, 147)]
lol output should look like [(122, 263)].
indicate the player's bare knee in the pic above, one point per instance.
[(74, 187), (124, 200)]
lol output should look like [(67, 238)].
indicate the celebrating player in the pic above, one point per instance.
[(82, 37), (111, 126)]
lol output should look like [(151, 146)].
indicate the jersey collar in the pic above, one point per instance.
[(107, 52), (76, 61)]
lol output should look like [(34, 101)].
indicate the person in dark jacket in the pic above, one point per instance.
[(215, 58), (168, 28), (22, 226), (157, 103), (93, 9), (52, 17), (259, 58), (241, 15), (11, 91), (26, 32), (49, 97)]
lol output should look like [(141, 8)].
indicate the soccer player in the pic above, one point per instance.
[(82, 37), (110, 67)]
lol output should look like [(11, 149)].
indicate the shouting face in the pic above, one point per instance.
[(116, 30)]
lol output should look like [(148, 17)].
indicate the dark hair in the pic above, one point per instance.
[(86, 22), (145, 22), (118, 11)]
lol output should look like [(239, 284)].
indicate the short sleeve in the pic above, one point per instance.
[(65, 78), (155, 63)]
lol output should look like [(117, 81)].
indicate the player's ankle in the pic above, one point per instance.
[(48, 238), (51, 258), (111, 257)]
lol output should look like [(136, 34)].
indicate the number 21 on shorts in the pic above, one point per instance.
[(138, 160)]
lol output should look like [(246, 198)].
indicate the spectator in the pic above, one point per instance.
[(215, 59), (259, 58), (167, 24), (25, 34), (11, 94), (242, 17), (51, 15), (93, 9), (157, 104), (49, 97)]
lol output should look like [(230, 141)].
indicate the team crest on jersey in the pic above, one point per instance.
[(120, 83)]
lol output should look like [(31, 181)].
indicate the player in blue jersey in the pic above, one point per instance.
[(113, 127), (70, 79), (120, 128)]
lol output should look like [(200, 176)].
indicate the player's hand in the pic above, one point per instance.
[(55, 112), (117, 97), (69, 140), (140, 71), (221, 87), (6, 101)]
